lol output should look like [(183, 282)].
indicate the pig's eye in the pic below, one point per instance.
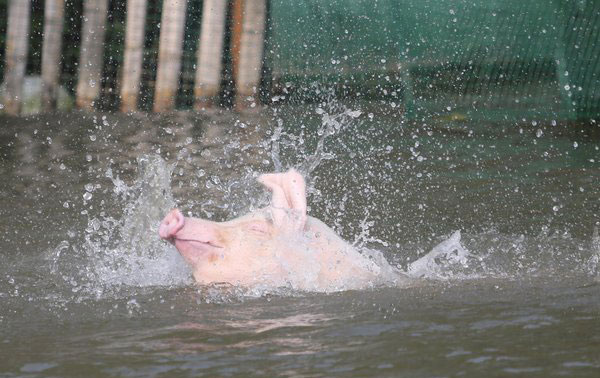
[(259, 228)]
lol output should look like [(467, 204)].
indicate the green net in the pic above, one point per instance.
[(477, 58)]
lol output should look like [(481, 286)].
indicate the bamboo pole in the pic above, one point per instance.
[(170, 48), (51, 52), (91, 53), (16, 54), (134, 49), (210, 53), (248, 65)]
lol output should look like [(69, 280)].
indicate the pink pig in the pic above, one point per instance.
[(277, 246)]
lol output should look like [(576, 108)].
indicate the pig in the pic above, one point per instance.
[(276, 246)]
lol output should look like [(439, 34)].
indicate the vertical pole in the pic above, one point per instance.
[(16, 54), (51, 50), (249, 61), (236, 34), (169, 54), (92, 52), (210, 53), (134, 49)]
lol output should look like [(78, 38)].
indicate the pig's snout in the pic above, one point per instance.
[(171, 224)]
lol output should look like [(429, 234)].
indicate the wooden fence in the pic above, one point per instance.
[(246, 34)]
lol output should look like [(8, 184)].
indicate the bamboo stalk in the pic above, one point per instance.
[(169, 54), (51, 52), (249, 62), (16, 54), (134, 49), (210, 53), (92, 52)]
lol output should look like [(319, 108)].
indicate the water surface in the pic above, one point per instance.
[(86, 286)]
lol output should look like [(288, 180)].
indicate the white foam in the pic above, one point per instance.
[(436, 264)]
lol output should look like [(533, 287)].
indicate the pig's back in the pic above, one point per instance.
[(342, 266)]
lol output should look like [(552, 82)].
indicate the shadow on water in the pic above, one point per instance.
[(86, 284)]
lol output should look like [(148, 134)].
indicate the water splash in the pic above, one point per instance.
[(125, 250), (121, 247), (309, 148), (593, 264), (492, 254), (444, 261)]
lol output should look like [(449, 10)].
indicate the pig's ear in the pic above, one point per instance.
[(289, 193)]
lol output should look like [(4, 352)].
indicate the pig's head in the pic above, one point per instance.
[(243, 250)]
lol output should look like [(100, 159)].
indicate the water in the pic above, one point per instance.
[(502, 220)]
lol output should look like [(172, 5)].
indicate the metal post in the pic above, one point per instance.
[(169, 54), (134, 49), (51, 52), (210, 53), (249, 61), (16, 54), (92, 52)]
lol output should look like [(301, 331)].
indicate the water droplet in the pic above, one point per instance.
[(539, 133), (354, 114), (87, 196), (93, 138), (575, 145)]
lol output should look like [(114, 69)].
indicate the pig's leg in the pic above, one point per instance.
[(289, 193)]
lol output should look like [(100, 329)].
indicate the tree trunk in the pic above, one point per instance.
[(249, 61), (170, 48), (92, 52), (210, 53), (134, 49), (17, 39), (51, 52)]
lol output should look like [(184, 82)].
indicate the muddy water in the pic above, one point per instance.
[(504, 217)]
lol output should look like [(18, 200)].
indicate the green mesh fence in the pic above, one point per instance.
[(477, 58), (193, 25)]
